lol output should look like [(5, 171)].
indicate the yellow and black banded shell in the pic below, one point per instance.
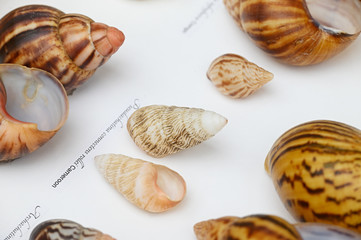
[(316, 170), (253, 227), (44, 37), (298, 32), (61, 229)]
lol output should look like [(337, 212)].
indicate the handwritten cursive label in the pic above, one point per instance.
[(79, 163), (25, 223), (206, 10)]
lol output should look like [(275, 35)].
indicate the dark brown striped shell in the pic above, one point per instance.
[(38, 36), (316, 170), (286, 30), (254, 227), (61, 229)]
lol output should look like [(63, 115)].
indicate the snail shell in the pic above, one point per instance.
[(33, 107), (62, 229), (152, 187), (253, 227), (299, 32), (262, 226), (69, 46), (163, 130), (236, 77), (316, 170)]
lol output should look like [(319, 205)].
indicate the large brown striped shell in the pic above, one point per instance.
[(253, 227), (316, 170), (269, 227), (62, 229), (67, 45), (299, 32)]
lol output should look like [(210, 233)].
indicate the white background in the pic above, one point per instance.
[(161, 63)]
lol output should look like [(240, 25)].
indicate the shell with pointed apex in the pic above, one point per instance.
[(236, 77), (163, 130), (316, 170), (33, 107), (152, 187), (299, 32), (69, 46), (253, 227), (63, 229)]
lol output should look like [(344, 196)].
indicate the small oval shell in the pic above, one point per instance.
[(163, 130), (33, 107), (62, 229), (255, 227), (236, 77), (316, 170), (152, 187)]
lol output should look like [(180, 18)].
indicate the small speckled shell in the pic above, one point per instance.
[(61, 229), (254, 227), (152, 187), (236, 77), (162, 130), (316, 170)]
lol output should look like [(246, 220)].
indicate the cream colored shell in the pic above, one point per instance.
[(163, 130), (236, 77), (152, 187)]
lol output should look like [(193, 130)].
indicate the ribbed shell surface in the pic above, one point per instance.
[(30, 37), (285, 30), (163, 130), (316, 170)]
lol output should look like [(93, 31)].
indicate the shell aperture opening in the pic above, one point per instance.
[(170, 183)]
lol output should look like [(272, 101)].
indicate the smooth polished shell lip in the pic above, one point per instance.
[(152, 187), (26, 121), (287, 31)]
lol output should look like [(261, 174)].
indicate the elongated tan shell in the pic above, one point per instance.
[(62, 229), (33, 107), (69, 46), (152, 187), (253, 227), (162, 130), (236, 77), (299, 32), (316, 170)]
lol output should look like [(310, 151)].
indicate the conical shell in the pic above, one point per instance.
[(152, 187), (236, 77), (254, 227), (62, 229), (162, 130)]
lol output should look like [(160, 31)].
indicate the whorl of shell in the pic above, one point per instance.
[(163, 130), (316, 170), (69, 46), (269, 227), (236, 77), (253, 227), (321, 231), (62, 229), (33, 107), (152, 187), (298, 32)]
